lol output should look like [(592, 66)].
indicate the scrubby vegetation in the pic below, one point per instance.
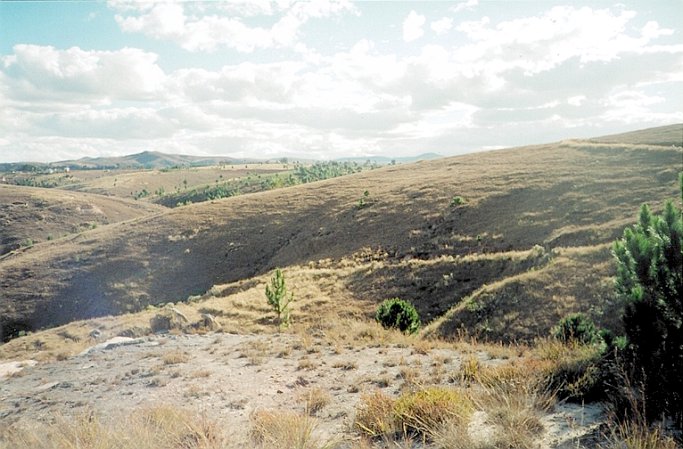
[(577, 327)]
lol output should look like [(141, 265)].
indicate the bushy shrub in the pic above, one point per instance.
[(398, 314), (577, 328), (457, 201)]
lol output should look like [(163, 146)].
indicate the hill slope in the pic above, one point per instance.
[(148, 159), (31, 215), (407, 240)]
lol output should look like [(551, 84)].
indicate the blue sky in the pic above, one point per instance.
[(325, 79)]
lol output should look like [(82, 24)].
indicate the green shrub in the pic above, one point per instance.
[(457, 201), (399, 314), (577, 328)]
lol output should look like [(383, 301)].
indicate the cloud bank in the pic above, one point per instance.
[(445, 84)]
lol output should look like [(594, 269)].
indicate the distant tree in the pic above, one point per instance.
[(650, 280)]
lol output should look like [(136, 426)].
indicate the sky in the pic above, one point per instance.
[(326, 79)]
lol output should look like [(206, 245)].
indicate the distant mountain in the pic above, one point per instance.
[(144, 160), (148, 159), (383, 160)]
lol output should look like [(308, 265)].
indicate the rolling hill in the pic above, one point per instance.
[(31, 215), (526, 243), (149, 160)]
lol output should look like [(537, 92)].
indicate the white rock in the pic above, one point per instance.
[(113, 343), (9, 368)]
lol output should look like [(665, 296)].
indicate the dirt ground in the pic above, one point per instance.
[(228, 376)]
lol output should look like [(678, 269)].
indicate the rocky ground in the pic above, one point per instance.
[(227, 377)]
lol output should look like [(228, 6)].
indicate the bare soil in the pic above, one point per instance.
[(227, 377)]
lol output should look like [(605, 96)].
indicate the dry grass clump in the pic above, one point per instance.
[(275, 429), (175, 357), (315, 399), (154, 428), (469, 370), (415, 413), (636, 435), (345, 365), (423, 410), (572, 368), (375, 415), (515, 399), (454, 435)]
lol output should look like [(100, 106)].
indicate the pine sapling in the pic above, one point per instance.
[(278, 297)]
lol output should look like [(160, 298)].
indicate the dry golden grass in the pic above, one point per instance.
[(152, 428), (635, 435), (423, 410), (175, 357), (420, 412), (315, 400), (375, 415), (274, 429)]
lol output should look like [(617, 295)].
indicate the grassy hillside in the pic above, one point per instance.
[(525, 244), (143, 184), (32, 215)]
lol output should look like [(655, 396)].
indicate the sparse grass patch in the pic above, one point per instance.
[(415, 413), (306, 364), (275, 429), (515, 406), (411, 377), (204, 373), (421, 411), (375, 415), (345, 365), (314, 399), (152, 428), (175, 357), (635, 435), (469, 369)]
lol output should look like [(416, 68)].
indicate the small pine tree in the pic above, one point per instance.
[(650, 279), (278, 297)]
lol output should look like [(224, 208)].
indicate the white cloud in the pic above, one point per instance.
[(204, 27), (576, 100), (412, 26), (442, 26), (467, 5), (114, 123), (522, 80), (43, 73)]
